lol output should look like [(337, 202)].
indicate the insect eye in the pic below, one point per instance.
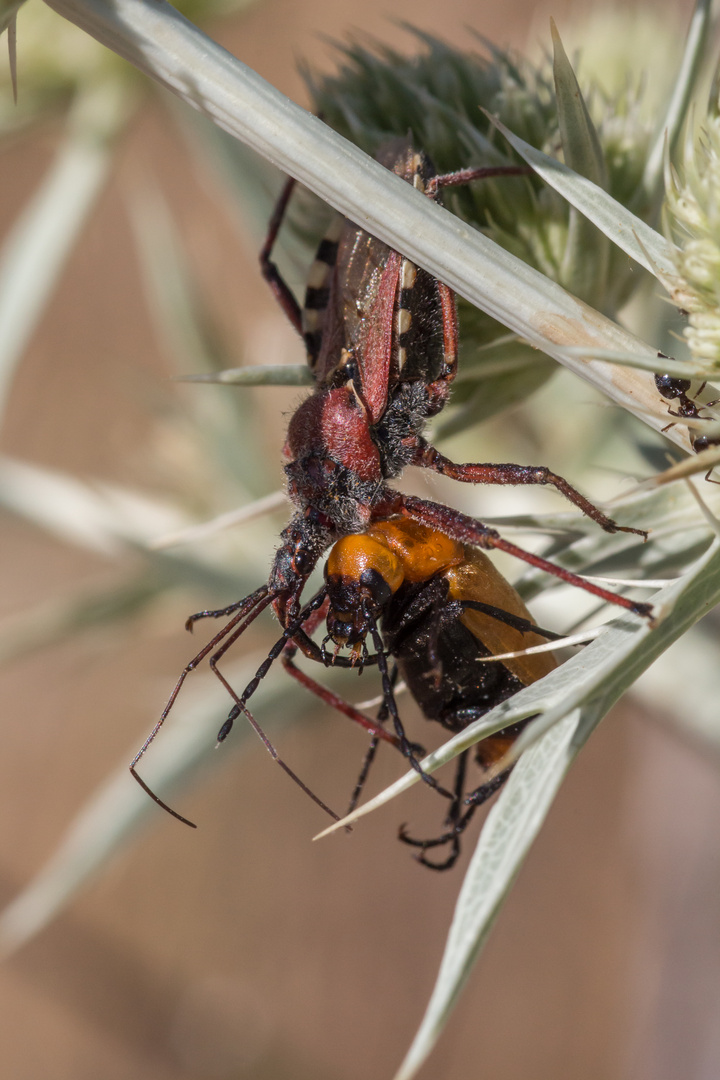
[(302, 561)]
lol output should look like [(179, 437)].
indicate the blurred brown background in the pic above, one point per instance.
[(243, 950)]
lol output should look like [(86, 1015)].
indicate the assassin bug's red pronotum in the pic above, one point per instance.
[(382, 340)]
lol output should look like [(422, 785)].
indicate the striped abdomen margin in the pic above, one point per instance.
[(317, 292), (408, 271)]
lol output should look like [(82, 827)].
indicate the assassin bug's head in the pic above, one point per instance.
[(302, 543)]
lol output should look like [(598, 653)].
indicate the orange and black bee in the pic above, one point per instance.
[(443, 609)]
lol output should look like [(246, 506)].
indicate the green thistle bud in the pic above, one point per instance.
[(439, 96)]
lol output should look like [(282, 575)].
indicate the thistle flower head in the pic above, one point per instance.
[(693, 219)]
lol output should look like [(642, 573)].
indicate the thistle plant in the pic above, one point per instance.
[(593, 200)]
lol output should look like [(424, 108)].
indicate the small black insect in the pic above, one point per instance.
[(675, 390)]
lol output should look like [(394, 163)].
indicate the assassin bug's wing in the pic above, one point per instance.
[(370, 314), (347, 317), (368, 275), (395, 317), (369, 280)]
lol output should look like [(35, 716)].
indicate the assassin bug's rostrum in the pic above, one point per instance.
[(382, 342)]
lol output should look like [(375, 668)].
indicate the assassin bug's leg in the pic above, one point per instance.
[(235, 712), (212, 613), (270, 272), (471, 531), (430, 458), (241, 701), (334, 700), (468, 176), (246, 612)]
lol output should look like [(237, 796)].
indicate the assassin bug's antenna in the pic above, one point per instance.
[(246, 611)]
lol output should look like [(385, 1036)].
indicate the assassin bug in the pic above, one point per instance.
[(382, 337)]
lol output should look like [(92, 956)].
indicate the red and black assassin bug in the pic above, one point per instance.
[(382, 344), (443, 607)]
